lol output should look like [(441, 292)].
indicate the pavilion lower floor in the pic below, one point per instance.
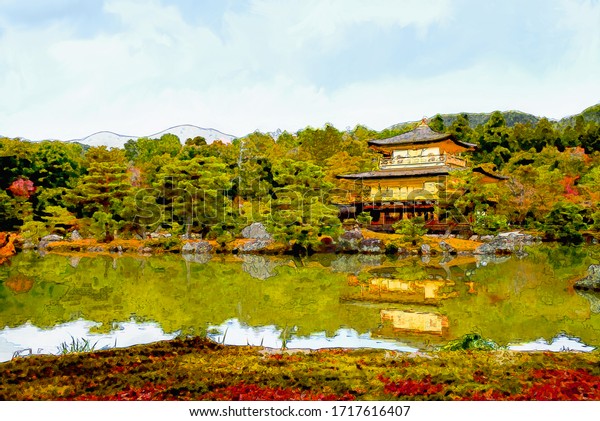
[(385, 214)]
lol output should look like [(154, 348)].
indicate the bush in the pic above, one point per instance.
[(364, 219), (33, 230), (471, 341), (411, 230), (564, 222), (486, 223)]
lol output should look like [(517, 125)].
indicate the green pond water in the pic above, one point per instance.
[(321, 301)]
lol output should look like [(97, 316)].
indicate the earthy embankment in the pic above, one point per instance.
[(198, 369)]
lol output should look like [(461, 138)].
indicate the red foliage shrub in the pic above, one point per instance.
[(410, 387), (555, 385), (252, 392), (22, 188)]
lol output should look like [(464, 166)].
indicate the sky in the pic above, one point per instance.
[(70, 68)]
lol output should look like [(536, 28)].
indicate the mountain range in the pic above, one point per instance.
[(514, 117), (183, 132), (189, 131)]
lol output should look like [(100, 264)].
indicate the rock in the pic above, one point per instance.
[(371, 246), (486, 238), (154, 235), (254, 245), (350, 240), (95, 249), (49, 239), (506, 243), (425, 249), (447, 248), (28, 245), (474, 238), (353, 234), (75, 236), (592, 281), (188, 248), (256, 231), (203, 247), (196, 247), (116, 249), (145, 250)]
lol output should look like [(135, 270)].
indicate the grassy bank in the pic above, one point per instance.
[(197, 369)]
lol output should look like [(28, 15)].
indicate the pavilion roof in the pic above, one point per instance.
[(438, 170), (421, 134)]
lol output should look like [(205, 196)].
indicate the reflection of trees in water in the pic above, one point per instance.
[(309, 294)]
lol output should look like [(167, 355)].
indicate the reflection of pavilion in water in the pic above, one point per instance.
[(393, 290), (428, 289), (410, 321)]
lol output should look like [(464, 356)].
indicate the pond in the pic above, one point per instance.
[(404, 304)]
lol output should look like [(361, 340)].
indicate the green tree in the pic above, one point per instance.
[(193, 193), (412, 230), (564, 223), (301, 210)]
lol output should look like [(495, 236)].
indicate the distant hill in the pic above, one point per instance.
[(589, 114), (183, 132), (512, 117), (476, 119)]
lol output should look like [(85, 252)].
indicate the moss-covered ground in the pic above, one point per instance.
[(197, 369)]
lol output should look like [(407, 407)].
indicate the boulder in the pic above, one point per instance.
[(591, 282), (506, 243), (196, 247), (49, 239), (95, 249), (145, 250), (188, 248), (371, 246), (28, 245), (447, 248), (350, 240), (75, 236), (256, 231), (254, 245), (425, 249), (116, 249)]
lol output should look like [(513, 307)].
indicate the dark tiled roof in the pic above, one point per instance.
[(442, 170), (422, 134)]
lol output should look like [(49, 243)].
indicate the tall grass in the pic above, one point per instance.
[(76, 345)]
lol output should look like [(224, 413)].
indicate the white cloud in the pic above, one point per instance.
[(156, 70)]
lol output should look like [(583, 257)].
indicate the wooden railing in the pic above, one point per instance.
[(421, 161)]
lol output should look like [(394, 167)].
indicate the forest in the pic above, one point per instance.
[(288, 182)]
